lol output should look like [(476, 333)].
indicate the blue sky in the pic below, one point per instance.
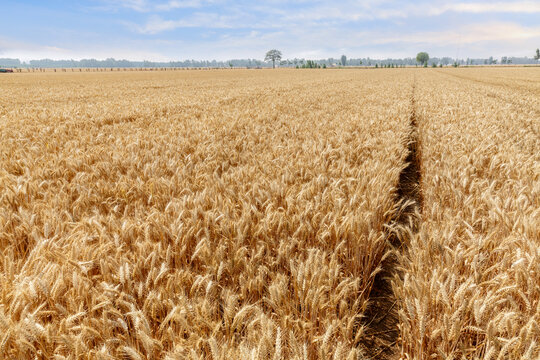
[(165, 30)]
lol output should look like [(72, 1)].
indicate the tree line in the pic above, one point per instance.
[(269, 62), (113, 63)]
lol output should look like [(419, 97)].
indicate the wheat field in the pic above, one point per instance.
[(266, 214), (471, 284)]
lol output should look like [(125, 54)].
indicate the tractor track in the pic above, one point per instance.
[(381, 318)]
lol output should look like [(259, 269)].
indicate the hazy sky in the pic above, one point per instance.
[(214, 29)]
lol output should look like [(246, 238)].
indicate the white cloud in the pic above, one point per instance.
[(137, 5), (469, 34), (21, 49), (311, 29), (145, 6), (26, 51), (178, 5), (354, 11), (497, 7), (318, 13), (478, 40), (156, 24)]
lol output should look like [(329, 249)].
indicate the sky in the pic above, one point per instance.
[(165, 30)]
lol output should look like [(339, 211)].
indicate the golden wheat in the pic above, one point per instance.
[(473, 268), (249, 214), (195, 214)]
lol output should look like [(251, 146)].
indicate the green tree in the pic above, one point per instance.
[(422, 58), (537, 56), (311, 64), (343, 60), (273, 55)]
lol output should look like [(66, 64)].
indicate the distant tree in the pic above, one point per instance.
[(343, 60), (422, 58), (537, 56), (446, 61), (273, 55), (310, 64)]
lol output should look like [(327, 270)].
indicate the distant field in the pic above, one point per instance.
[(270, 214)]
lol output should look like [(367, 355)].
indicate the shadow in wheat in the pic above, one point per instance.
[(381, 321)]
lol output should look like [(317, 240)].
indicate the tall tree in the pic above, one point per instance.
[(273, 55), (537, 56), (343, 60), (422, 58)]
